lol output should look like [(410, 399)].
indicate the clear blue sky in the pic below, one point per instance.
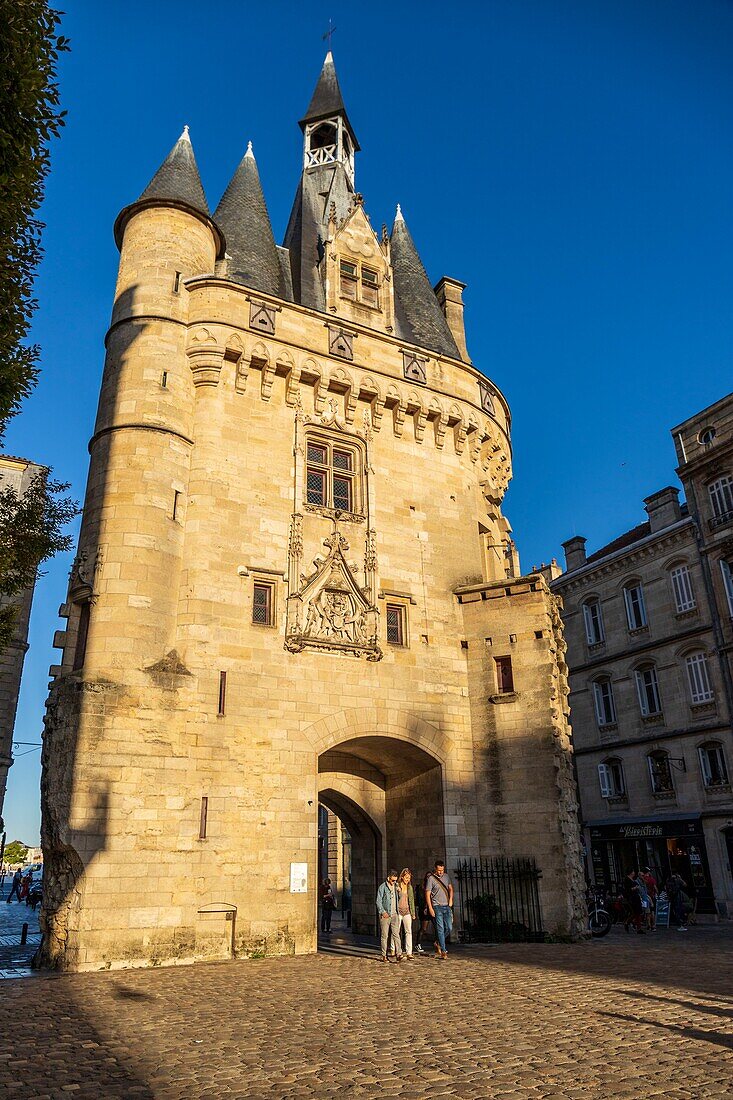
[(570, 160)]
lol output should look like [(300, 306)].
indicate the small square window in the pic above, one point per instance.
[(263, 603), (396, 632)]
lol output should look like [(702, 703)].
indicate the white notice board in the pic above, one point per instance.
[(298, 878)]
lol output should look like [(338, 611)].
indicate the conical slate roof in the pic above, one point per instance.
[(178, 179), (242, 214), (327, 100), (416, 307)]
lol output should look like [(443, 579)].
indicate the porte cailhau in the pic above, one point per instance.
[(294, 586)]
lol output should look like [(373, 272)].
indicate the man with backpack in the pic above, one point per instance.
[(439, 898)]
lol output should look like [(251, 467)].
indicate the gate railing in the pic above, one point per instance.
[(500, 900)]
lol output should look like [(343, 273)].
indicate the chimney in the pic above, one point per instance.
[(449, 293), (574, 553), (663, 508)]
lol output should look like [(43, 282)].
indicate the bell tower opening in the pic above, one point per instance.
[(328, 142)]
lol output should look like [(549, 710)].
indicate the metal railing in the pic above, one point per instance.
[(721, 520), (500, 900)]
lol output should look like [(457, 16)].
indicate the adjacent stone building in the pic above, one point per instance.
[(649, 626), (294, 587), (16, 474)]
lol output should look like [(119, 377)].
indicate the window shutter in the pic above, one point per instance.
[(682, 585), (698, 678), (604, 778), (588, 624), (727, 570), (707, 774)]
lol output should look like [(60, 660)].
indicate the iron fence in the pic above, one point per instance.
[(500, 900)]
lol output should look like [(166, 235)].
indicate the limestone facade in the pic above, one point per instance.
[(648, 623), (16, 474), (293, 579)]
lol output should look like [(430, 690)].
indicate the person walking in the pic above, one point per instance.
[(439, 897), (15, 886), (652, 890), (328, 904), (632, 895), (389, 920), (406, 910), (675, 891), (423, 923)]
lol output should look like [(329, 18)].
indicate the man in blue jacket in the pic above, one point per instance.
[(388, 915)]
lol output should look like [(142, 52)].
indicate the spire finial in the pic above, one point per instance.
[(185, 135), (249, 152), (329, 35), (398, 216)]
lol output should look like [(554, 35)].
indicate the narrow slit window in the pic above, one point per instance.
[(82, 634), (203, 817), (176, 503), (262, 604), (396, 633), (164, 379), (504, 675), (222, 694), (177, 282)]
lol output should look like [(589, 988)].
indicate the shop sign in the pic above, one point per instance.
[(646, 830)]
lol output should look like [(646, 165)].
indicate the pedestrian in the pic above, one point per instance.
[(389, 920), (632, 896), (328, 904), (676, 893), (439, 895), (652, 890), (423, 923), (15, 886), (406, 911)]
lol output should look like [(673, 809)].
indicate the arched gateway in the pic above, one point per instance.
[(294, 583)]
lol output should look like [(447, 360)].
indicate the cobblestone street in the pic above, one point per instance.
[(621, 1017)]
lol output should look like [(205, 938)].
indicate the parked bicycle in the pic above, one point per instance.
[(599, 920)]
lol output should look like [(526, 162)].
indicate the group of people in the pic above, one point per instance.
[(407, 913), (20, 886), (641, 895), (429, 906)]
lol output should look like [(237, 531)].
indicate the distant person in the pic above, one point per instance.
[(632, 896), (389, 920), (328, 904), (676, 893), (423, 925), (406, 911), (25, 885), (15, 886), (439, 897), (652, 889)]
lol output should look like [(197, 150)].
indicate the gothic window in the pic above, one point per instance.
[(331, 475), (684, 597), (359, 283), (369, 287), (712, 764), (396, 626), (635, 609), (263, 603), (593, 619), (348, 284), (647, 688), (604, 702), (721, 497), (660, 772), (82, 633), (611, 779), (698, 678)]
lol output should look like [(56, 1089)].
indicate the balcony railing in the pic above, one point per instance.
[(723, 520)]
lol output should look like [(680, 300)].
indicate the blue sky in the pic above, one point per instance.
[(570, 160)]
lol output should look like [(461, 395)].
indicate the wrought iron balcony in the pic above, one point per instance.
[(723, 520)]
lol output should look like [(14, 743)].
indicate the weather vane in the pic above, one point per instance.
[(329, 34)]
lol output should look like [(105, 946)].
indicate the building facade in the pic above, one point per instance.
[(648, 622), (294, 587), (16, 474)]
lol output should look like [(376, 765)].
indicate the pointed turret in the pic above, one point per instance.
[(329, 145), (251, 250), (176, 183), (417, 311), (327, 100)]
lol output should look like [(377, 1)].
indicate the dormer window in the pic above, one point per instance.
[(359, 283)]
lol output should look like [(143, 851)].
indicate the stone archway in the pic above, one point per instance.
[(388, 791)]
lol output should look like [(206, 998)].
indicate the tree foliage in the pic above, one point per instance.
[(30, 526), (15, 852), (31, 531), (29, 118)]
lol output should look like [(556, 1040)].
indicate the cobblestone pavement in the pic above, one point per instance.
[(624, 1017)]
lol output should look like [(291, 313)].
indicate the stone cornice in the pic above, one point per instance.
[(629, 654), (606, 747)]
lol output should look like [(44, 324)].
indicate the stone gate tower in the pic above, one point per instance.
[(294, 585)]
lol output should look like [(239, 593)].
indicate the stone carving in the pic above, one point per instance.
[(262, 317), (340, 343), (414, 367), (487, 401), (329, 610)]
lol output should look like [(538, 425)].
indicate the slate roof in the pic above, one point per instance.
[(627, 539), (327, 99), (242, 214), (419, 317), (308, 228), (178, 179)]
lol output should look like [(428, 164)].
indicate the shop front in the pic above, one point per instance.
[(674, 845)]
